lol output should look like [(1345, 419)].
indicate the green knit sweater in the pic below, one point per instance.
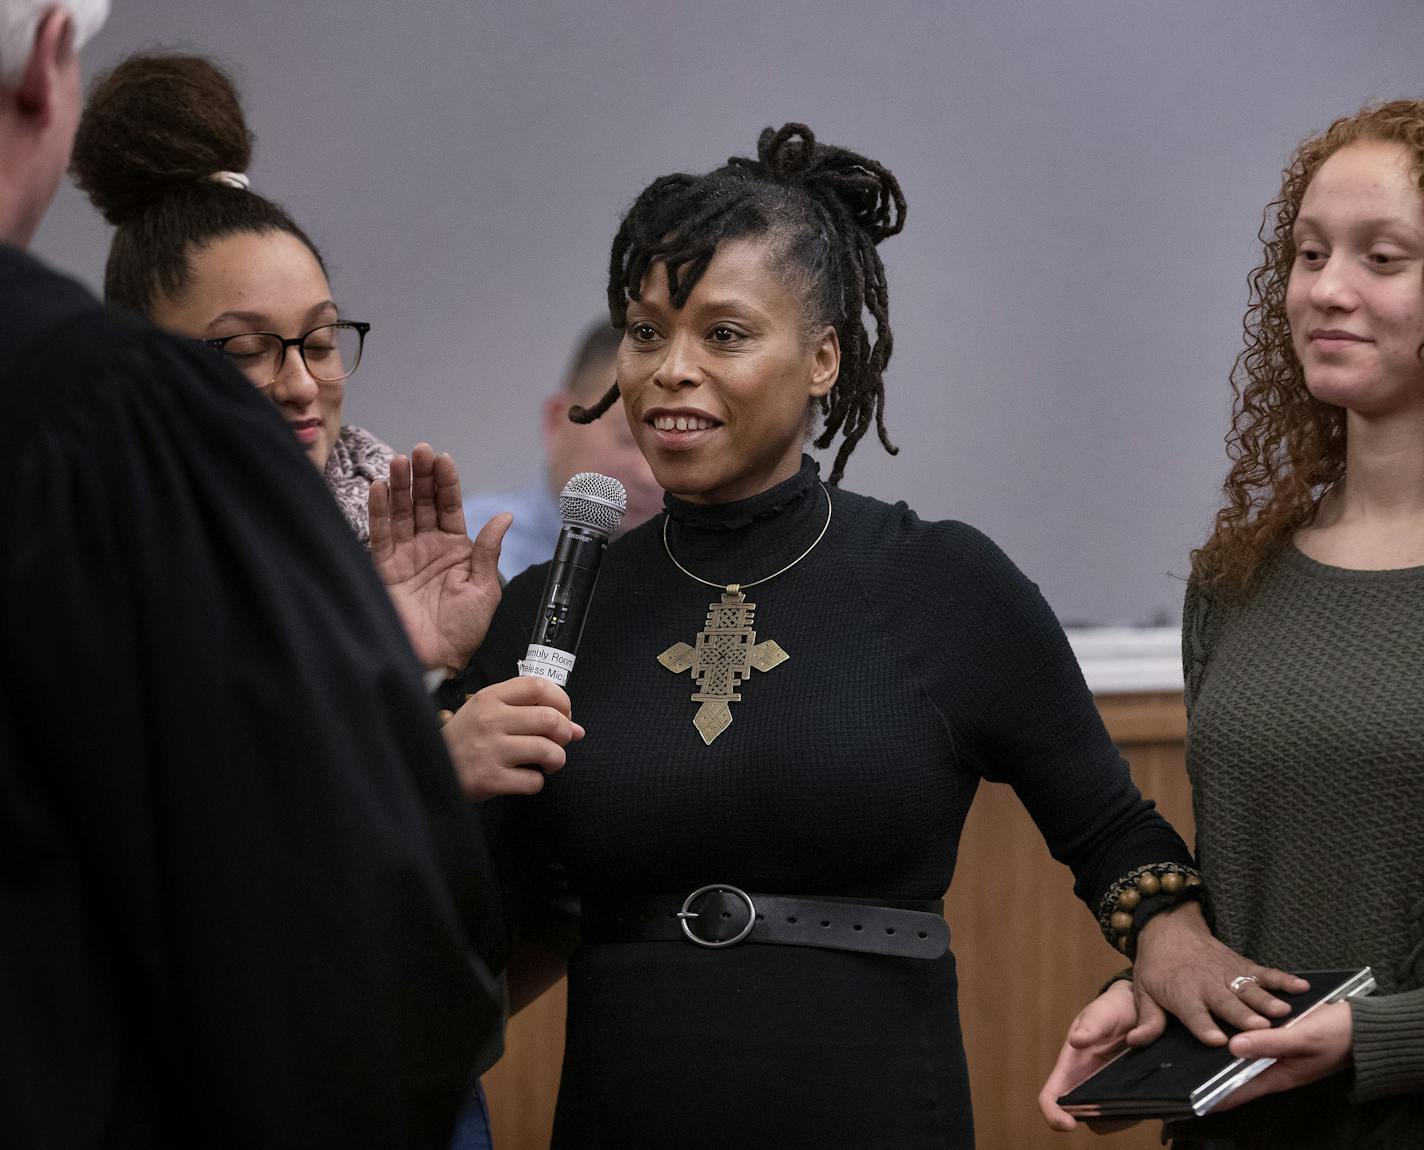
[(1305, 747)]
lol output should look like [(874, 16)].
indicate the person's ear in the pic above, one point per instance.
[(40, 86), (826, 367), (555, 418)]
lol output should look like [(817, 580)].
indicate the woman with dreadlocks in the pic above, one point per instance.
[(1301, 642), (790, 694)]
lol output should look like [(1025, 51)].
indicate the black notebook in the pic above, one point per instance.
[(1179, 1077)]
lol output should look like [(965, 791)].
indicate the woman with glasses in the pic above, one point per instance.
[(309, 394), (161, 151)]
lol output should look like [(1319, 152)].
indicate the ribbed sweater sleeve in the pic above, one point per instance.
[(1020, 710), (1035, 727), (1388, 1036)]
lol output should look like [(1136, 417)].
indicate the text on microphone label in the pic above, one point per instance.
[(547, 663)]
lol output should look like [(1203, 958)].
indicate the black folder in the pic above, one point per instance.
[(1179, 1077)]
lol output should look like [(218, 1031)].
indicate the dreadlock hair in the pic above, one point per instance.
[(154, 132), (822, 210), (1286, 447)]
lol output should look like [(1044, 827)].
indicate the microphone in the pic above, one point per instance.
[(591, 507)]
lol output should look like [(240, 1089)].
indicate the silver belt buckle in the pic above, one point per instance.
[(686, 914)]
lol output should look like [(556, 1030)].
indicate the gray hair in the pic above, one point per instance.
[(20, 20)]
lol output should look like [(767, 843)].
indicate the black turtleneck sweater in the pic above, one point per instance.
[(921, 660)]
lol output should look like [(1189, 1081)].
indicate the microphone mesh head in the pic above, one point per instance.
[(594, 501)]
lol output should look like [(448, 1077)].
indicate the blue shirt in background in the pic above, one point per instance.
[(536, 525)]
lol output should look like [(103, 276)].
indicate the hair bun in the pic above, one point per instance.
[(153, 125), (867, 189), (786, 152)]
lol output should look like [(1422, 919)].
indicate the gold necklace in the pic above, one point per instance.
[(727, 651)]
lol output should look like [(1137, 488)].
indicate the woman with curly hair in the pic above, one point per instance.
[(790, 694), (1302, 640)]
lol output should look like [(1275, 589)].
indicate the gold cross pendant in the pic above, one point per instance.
[(726, 653)]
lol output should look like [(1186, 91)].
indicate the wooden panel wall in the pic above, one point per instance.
[(1029, 956)]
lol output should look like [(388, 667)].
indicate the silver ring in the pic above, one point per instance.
[(1238, 984), (687, 913)]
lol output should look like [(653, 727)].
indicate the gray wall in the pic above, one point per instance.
[(1085, 183)]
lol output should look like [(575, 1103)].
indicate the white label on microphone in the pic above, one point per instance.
[(547, 663)]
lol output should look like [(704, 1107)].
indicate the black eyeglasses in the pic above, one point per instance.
[(331, 352)]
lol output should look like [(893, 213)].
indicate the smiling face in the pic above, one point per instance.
[(717, 392), (265, 281), (1356, 294)]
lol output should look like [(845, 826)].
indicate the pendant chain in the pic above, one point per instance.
[(766, 578)]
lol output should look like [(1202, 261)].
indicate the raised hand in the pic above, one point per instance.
[(445, 587)]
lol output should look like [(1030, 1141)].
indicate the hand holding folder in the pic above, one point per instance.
[(1180, 1077), (1313, 1048)]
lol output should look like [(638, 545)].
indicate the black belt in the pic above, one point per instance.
[(719, 915)]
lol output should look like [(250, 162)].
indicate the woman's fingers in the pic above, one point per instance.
[(1088, 1030), (484, 555), (1246, 1001), (1200, 980), (529, 691), (423, 487), (545, 722), (1312, 1049), (487, 781), (1151, 1019), (508, 736), (532, 751), (1274, 979), (402, 514), (489, 764), (448, 501), (1093, 1040), (1259, 998), (378, 514), (423, 494)]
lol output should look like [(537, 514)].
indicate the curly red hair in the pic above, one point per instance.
[(1286, 447)]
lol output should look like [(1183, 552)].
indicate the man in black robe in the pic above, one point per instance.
[(241, 901)]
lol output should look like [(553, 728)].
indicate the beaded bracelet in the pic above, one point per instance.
[(1140, 895)]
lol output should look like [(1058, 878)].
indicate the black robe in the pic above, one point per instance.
[(921, 661), (241, 899)]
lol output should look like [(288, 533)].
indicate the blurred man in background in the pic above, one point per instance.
[(605, 446)]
